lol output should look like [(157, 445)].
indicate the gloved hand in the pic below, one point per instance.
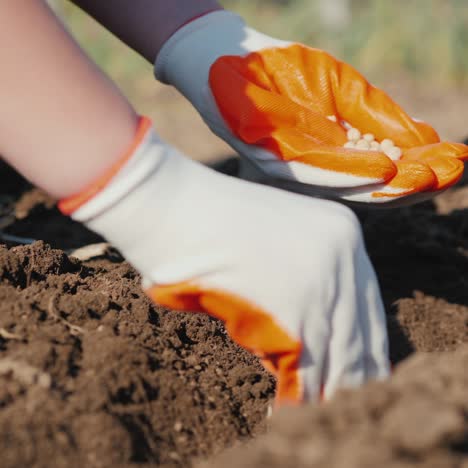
[(289, 275), (287, 109)]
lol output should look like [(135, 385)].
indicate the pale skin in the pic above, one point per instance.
[(62, 122)]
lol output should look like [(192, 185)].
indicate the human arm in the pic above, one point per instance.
[(286, 108), (55, 103), (289, 276)]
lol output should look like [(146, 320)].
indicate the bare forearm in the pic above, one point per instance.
[(144, 25), (62, 122)]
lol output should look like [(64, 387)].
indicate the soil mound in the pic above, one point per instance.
[(417, 419), (92, 374)]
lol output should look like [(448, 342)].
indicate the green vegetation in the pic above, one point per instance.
[(427, 39), (131, 72)]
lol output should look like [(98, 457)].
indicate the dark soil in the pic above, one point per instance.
[(417, 419), (94, 375)]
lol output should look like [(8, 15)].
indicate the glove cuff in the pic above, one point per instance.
[(146, 202), (126, 174), (196, 37)]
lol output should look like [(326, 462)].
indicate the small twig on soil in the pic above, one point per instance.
[(269, 411), (90, 251), (7, 210), (9, 336), (74, 329), (24, 373), (16, 239), (6, 220)]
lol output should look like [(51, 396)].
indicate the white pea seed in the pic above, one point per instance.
[(363, 144), (386, 144), (393, 153), (353, 134), (332, 118), (367, 141)]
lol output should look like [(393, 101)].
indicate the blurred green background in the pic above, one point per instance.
[(415, 49)]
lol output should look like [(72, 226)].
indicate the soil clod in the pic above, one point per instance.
[(92, 374)]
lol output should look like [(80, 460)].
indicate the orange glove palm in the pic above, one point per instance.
[(286, 108), (282, 99)]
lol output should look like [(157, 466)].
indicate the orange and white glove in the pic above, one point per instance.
[(289, 275), (288, 109)]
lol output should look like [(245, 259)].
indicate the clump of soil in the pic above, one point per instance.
[(417, 419), (421, 259), (93, 374)]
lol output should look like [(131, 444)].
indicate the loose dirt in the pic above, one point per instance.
[(418, 419), (92, 374)]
